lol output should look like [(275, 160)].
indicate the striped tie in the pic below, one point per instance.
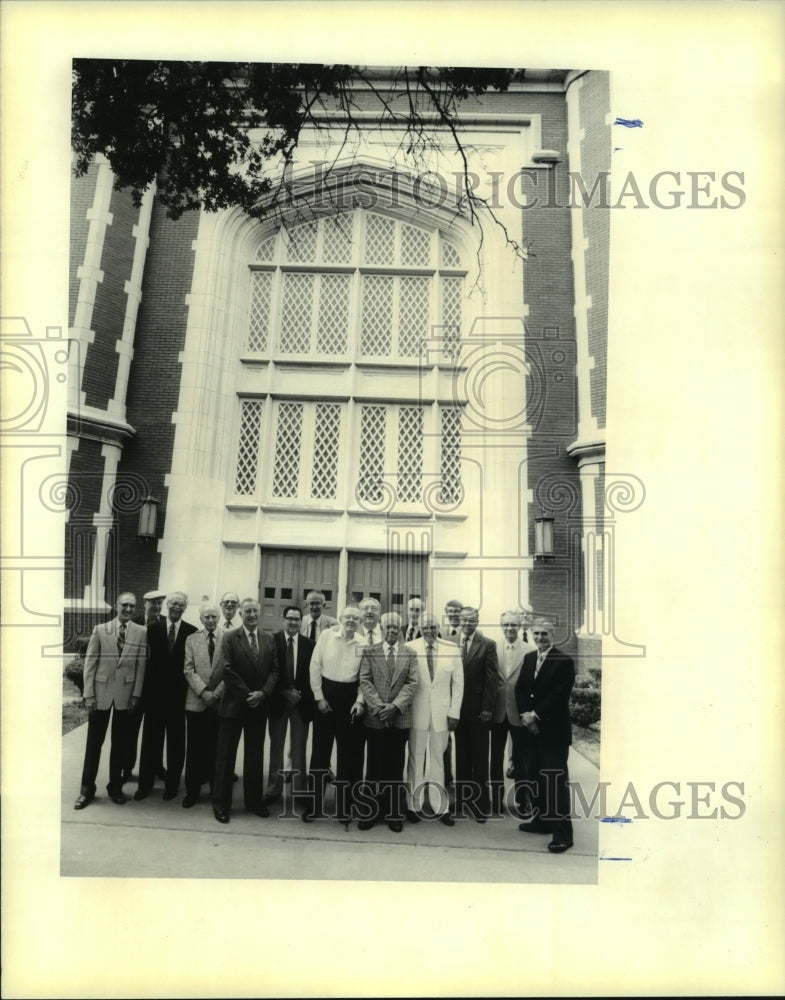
[(121, 640)]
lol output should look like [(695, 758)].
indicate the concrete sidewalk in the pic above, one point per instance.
[(157, 839)]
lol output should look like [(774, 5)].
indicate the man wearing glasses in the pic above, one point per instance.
[(291, 705)]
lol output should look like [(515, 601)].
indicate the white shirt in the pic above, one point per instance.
[(336, 658), (176, 624), (374, 635)]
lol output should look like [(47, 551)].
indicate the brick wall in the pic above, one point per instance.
[(154, 385), (82, 192)]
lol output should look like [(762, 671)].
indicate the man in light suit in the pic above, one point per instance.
[(250, 673), (113, 678), (510, 651), (153, 600), (314, 623), (480, 683), (164, 699), (291, 705), (388, 680), (203, 672), (542, 695), (436, 710), (229, 619)]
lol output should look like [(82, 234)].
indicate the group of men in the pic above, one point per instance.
[(385, 694)]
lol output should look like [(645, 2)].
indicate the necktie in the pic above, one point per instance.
[(120, 640), (453, 631), (227, 624), (540, 661), (429, 656), (171, 637), (313, 629), (211, 646), (290, 660), (391, 661), (252, 641), (410, 634), (463, 649)]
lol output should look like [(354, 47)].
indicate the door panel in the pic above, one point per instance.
[(287, 575), (391, 579)]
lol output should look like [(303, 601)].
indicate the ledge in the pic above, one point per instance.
[(300, 511), (100, 428)]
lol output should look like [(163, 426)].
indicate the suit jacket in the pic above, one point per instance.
[(548, 695), (199, 671), (480, 678), (380, 687), (243, 673), (164, 683), (113, 679), (405, 632), (322, 624), (435, 699), (505, 706), (302, 677)]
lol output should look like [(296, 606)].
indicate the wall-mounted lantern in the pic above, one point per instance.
[(543, 538), (148, 518)]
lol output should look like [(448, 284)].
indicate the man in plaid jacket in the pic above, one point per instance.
[(388, 680)]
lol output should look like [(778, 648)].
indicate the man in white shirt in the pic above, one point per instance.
[(335, 672), (452, 612), (510, 651), (314, 623), (370, 627), (230, 618), (436, 710)]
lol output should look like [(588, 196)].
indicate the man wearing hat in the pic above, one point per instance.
[(153, 601)]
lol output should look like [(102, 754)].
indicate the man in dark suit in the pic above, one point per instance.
[(291, 705), (250, 674), (388, 679), (480, 683), (164, 699), (412, 630), (153, 601), (542, 694)]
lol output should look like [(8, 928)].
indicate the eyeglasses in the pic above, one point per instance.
[(288, 618)]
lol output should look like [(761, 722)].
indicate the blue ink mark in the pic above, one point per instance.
[(616, 819), (606, 858), (629, 122), (618, 149)]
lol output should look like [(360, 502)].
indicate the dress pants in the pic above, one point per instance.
[(298, 738), (337, 727), (97, 724), (417, 772), (163, 719), (386, 754), (252, 728), (499, 731), (471, 765), (202, 728), (552, 796)]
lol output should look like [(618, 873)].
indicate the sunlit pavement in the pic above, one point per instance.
[(157, 839)]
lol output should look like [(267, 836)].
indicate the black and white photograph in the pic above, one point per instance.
[(368, 488)]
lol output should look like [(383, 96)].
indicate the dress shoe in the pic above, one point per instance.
[(558, 847), (141, 793), (395, 825), (480, 818), (189, 801), (117, 797), (307, 817), (447, 819), (262, 811), (82, 801), (221, 816), (533, 827), (366, 824), (411, 816), (169, 794), (269, 799)]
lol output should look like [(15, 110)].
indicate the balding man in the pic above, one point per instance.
[(436, 711), (203, 672), (164, 699), (388, 680), (113, 678)]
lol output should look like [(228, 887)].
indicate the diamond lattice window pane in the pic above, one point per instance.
[(415, 246), (373, 421), (298, 301), (327, 428), (248, 450), (410, 454), (267, 250), (413, 315), (337, 239), (450, 256), (450, 491), (333, 324), (379, 240), (376, 337), (286, 472), (302, 243), (259, 314), (452, 294)]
